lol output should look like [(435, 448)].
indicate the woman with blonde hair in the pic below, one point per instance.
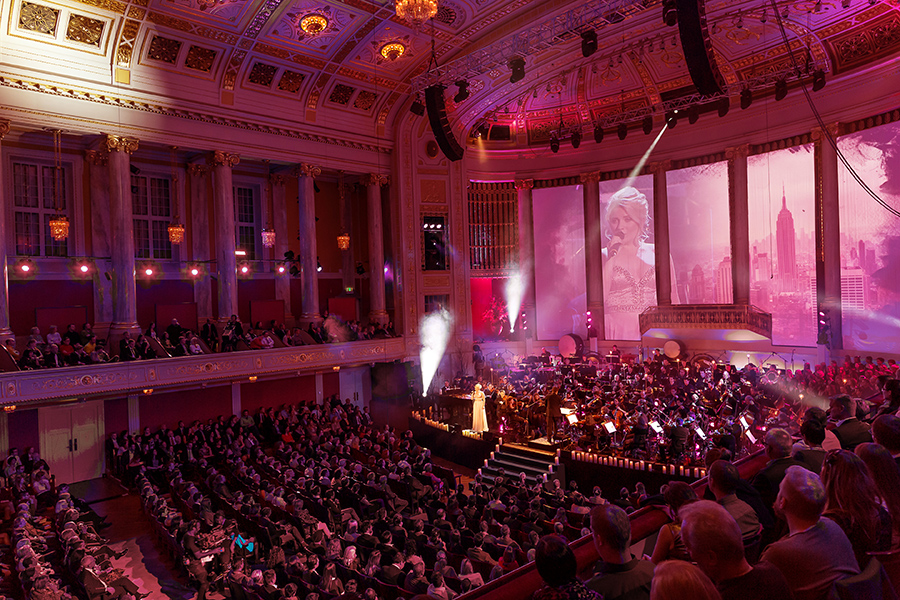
[(677, 579)]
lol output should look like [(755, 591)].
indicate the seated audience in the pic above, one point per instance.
[(618, 574), (676, 579), (669, 545), (557, 566), (723, 482), (849, 430)]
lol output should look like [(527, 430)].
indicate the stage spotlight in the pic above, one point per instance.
[(622, 131), (598, 133), (693, 114), (576, 138), (648, 124), (463, 92), (670, 12), (780, 90), (671, 119), (818, 81), (417, 108), (746, 98), (588, 43), (554, 144), (724, 105), (318, 265), (517, 69)]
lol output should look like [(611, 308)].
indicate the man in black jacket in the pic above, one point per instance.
[(849, 430)]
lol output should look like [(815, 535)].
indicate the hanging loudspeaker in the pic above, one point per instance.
[(440, 125), (697, 47)]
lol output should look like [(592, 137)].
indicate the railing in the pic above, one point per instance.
[(707, 316), (133, 377), (524, 581)]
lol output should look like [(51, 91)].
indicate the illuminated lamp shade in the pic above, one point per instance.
[(393, 51), (195, 272), (59, 228), (148, 271), (176, 232), (268, 237), (313, 24), (415, 11), (343, 241), (84, 268), (244, 269)]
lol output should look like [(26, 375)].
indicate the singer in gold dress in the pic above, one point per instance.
[(479, 414), (629, 265)]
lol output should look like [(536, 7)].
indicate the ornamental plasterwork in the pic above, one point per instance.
[(127, 39), (38, 18), (226, 10)]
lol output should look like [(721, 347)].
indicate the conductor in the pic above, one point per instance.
[(554, 404)]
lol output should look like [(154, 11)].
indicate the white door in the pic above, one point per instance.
[(71, 440)]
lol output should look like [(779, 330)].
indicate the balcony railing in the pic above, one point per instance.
[(707, 316), (123, 378)]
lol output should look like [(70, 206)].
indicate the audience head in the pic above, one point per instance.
[(723, 478), (842, 407), (886, 431), (677, 579), (611, 529), (800, 495), (713, 538), (555, 561), (848, 486), (778, 443), (813, 432), (677, 495)]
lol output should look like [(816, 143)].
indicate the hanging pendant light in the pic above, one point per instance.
[(343, 241), (59, 224), (268, 234), (415, 12), (176, 228)]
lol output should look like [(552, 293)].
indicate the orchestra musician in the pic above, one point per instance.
[(197, 558)]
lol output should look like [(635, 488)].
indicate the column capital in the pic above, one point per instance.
[(593, 177), (4, 128), (277, 178), (119, 143), (660, 166), (97, 158), (818, 134), (306, 170), (221, 158), (524, 184), (197, 169), (742, 151), (376, 179)]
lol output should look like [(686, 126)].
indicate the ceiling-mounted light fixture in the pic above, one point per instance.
[(576, 138), (393, 50), (693, 113), (724, 105), (554, 143), (59, 224), (463, 92), (746, 98), (415, 12), (781, 90), (313, 24), (517, 69), (818, 81), (622, 131), (648, 124), (598, 133), (588, 42)]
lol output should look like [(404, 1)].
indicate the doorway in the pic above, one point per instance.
[(71, 440)]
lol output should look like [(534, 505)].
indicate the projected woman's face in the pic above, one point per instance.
[(621, 225)]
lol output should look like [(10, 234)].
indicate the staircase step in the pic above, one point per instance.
[(528, 452), (513, 469), (517, 459), (536, 465)]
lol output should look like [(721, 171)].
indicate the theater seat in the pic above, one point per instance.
[(871, 584)]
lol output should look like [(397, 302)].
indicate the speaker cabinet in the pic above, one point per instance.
[(440, 125), (697, 46)]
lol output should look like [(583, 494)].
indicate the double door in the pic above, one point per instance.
[(72, 440)]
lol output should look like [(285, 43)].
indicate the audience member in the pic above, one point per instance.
[(618, 574), (848, 428), (669, 544), (556, 565), (676, 579)]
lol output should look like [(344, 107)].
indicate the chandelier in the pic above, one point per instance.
[(343, 241), (313, 24), (393, 51), (268, 233), (416, 11), (59, 224), (268, 237), (176, 229)]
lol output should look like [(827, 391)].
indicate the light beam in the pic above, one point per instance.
[(514, 290), (434, 333)]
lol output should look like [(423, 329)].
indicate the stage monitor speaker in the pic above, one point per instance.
[(697, 46), (440, 124)]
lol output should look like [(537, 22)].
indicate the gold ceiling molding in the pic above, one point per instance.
[(111, 5), (91, 96), (84, 29), (127, 40), (118, 143), (38, 18), (199, 30), (4, 128), (137, 13)]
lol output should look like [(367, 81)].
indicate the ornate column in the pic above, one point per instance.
[(665, 294), (5, 331), (526, 246), (98, 166), (279, 220), (309, 277), (739, 208), (828, 233), (197, 178), (593, 250), (377, 312), (223, 212), (124, 302)]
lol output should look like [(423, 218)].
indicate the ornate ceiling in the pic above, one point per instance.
[(251, 62)]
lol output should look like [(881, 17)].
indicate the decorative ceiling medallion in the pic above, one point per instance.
[(313, 24), (393, 50), (365, 100), (291, 82), (262, 74), (416, 11), (39, 18), (164, 49), (200, 59), (85, 30), (341, 94)]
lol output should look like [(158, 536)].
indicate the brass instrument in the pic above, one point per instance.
[(214, 539)]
